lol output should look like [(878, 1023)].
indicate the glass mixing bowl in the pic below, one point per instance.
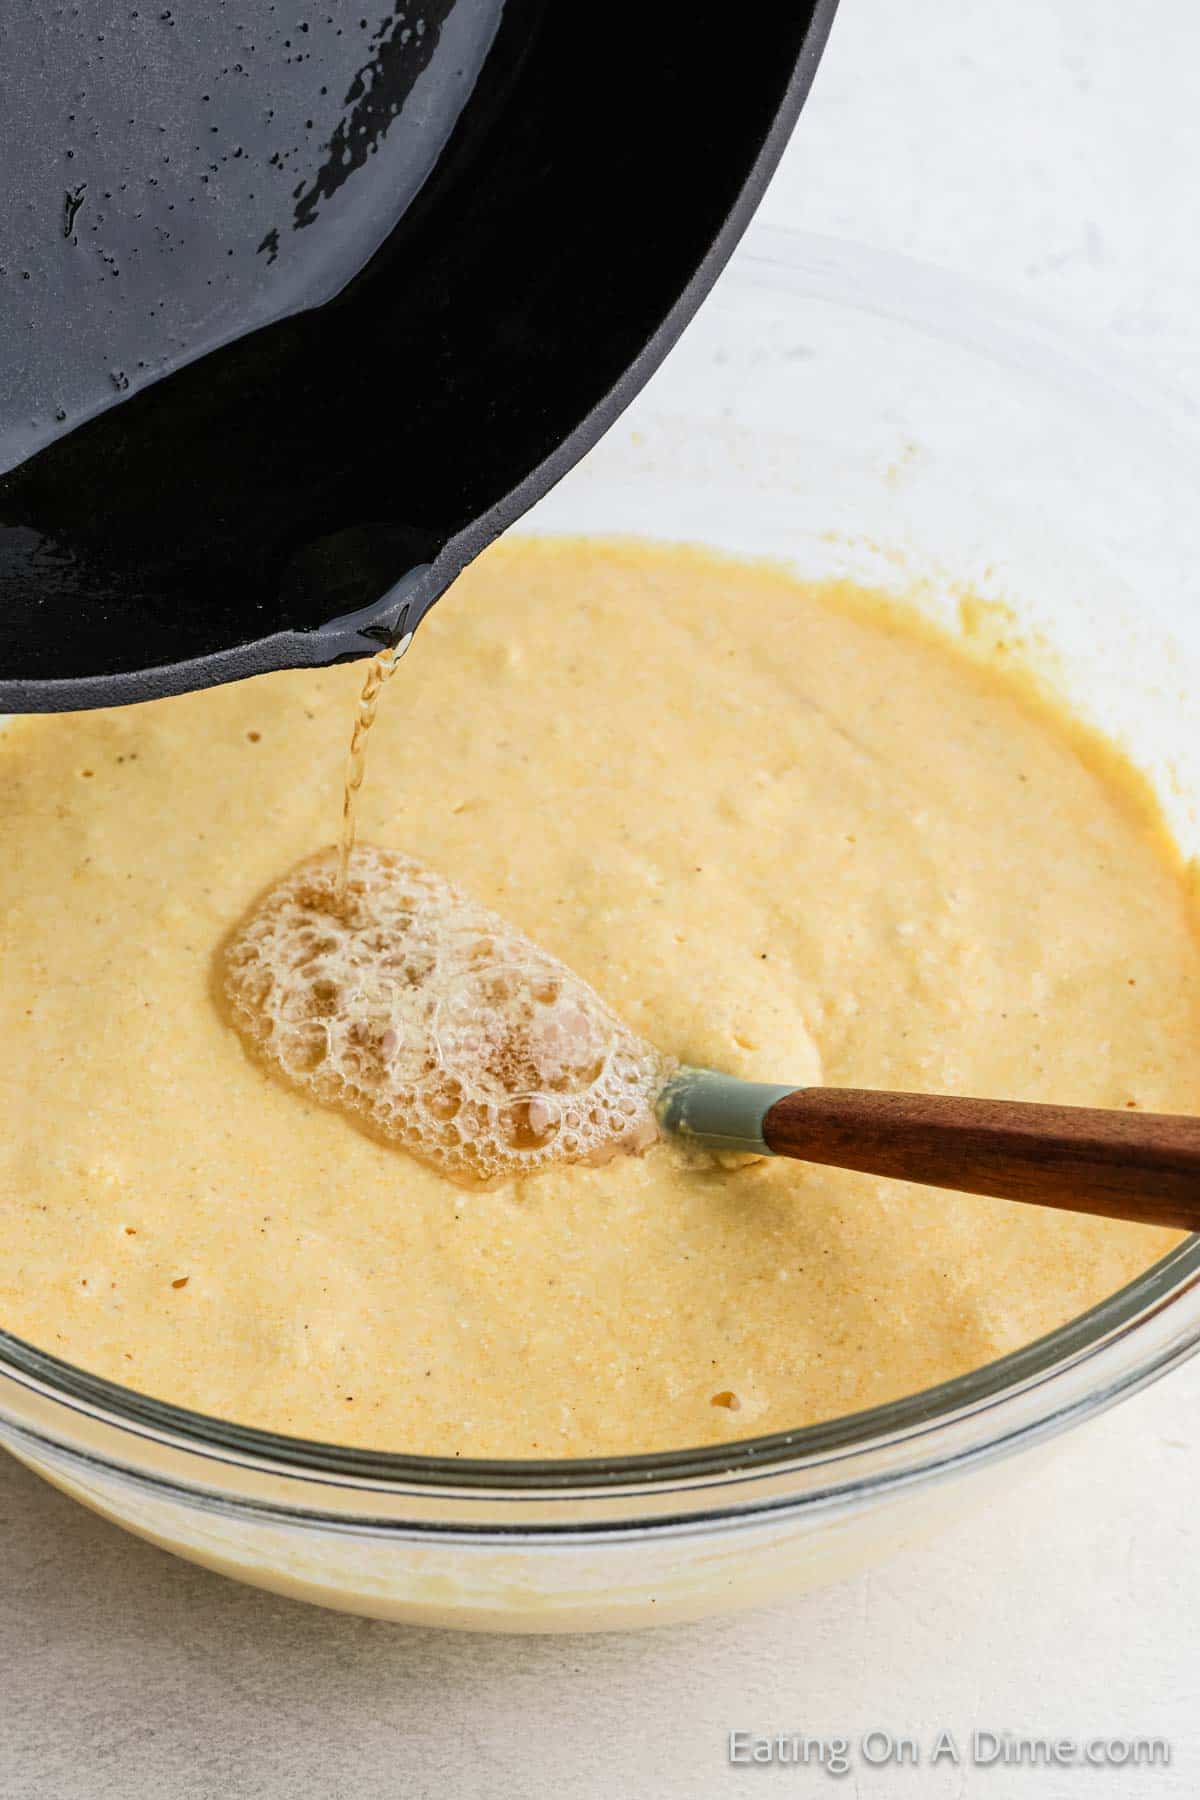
[(852, 414)]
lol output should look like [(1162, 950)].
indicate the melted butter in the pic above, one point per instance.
[(380, 670), (433, 1022)]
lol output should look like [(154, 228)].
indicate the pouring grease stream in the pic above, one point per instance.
[(379, 672)]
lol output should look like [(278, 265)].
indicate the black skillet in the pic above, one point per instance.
[(299, 308)]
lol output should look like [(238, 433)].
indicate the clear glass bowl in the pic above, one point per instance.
[(851, 413)]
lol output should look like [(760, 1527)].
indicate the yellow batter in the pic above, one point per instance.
[(771, 823)]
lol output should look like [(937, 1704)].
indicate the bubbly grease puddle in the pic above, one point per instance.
[(443, 1027), (380, 988)]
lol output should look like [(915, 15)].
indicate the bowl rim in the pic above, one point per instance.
[(1117, 1346), (1126, 1340)]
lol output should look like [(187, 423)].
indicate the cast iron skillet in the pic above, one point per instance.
[(299, 310)]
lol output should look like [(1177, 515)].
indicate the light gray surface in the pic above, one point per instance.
[(1049, 146), (1066, 1610)]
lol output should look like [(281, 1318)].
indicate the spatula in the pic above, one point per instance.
[(1119, 1164)]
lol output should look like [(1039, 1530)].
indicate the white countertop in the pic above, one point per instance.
[(1046, 146)]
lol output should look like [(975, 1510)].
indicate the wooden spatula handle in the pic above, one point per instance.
[(1124, 1165)]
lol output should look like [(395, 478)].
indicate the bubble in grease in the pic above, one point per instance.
[(441, 1025)]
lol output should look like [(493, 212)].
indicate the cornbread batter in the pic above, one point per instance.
[(779, 828)]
